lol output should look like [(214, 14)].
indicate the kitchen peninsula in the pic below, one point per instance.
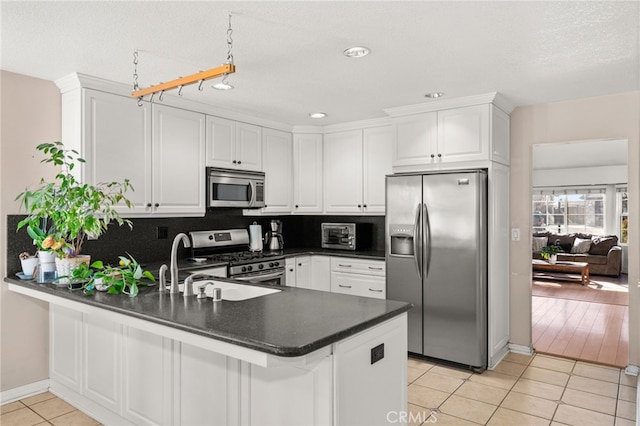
[(294, 357)]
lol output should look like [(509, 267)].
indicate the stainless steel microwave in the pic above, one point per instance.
[(235, 188)]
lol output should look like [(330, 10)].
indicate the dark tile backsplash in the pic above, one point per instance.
[(141, 241)]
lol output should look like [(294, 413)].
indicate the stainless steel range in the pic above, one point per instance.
[(229, 246)]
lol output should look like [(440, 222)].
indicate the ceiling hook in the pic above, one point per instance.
[(200, 85)]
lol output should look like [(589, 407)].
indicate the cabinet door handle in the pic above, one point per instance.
[(296, 206), (148, 204), (157, 205), (290, 270), (364, 205), (377, 291), (239, 162), (299, 264), (234, 162), (375, 269), (344, 266), (433, 156), (344, 286), (359, 205), (439, 155)]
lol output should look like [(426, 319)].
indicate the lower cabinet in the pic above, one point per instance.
[(121, 374), (312, 272), (358, 277)]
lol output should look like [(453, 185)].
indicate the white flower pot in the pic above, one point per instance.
[(28, 265), (66, 265), (553, 258)]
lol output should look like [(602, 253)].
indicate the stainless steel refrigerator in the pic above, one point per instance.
[(436, 254)]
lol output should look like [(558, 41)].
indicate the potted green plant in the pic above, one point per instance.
[(63, 213), (550, 253), (124, 278)]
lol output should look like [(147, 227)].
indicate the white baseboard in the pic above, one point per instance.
[(521, 349), (25, 391)]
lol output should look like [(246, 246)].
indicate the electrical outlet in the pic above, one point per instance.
[(162, 232), (377, 353), (515, 234)]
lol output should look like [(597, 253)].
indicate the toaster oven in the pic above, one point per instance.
[(346, 236)]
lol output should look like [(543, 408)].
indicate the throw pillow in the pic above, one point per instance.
[(600, 246), (538, 242), (564, 241), (581, 246)]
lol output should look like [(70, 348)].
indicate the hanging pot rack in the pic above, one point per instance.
[(199, 77)]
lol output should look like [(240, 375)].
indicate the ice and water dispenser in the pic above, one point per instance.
[(402, 243)]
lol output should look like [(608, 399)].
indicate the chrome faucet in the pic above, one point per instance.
[(188, 283), (174, 261), (162, 286)]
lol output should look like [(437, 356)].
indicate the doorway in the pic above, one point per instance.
[(579, 200)]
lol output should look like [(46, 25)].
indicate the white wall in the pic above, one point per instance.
[(606, 117), (30, 114)]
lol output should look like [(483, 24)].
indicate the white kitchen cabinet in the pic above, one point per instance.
[(416, 139), (471, 135), (376, 164), (147, 377), (158, 148), (233, 145), (355, 165), (277, 161), (65, 351), (312, 272), (342, 172), (177, 167), (379, 352), (358, 277), (307, 173), (463, 134), (101, 348)]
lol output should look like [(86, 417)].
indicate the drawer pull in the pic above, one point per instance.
[(344, 286), (377, 291), (344, 266), (375, 269)]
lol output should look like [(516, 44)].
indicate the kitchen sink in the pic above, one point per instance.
[(231, 291)]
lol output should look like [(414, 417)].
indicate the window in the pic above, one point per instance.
[(580, 211), (623, 214)]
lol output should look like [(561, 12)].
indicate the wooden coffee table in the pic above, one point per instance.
[(581, 268)]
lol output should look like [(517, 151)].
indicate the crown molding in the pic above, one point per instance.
[(356, 125), (441, 104), (308, 129)]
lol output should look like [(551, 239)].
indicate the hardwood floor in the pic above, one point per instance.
[(578, 322)]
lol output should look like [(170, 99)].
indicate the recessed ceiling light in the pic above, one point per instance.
[(434, 95), (222, 86), (356, 52), (317, 114)]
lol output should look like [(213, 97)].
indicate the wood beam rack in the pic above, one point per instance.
[(186, 81)]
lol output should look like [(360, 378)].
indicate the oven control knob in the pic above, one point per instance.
[(260, 266), (277, 263), (244, 269), (271, 264), (249, 268)]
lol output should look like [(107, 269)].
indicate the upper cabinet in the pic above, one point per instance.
[(233, 145), (307, 173), (160, 149), (476, 133), (355, 165), (277, 162)]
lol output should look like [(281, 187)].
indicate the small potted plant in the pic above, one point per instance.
[(124, 278), (67, 211), (550, 253)]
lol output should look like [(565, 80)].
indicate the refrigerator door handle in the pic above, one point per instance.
[(426, 234), (417, 240)]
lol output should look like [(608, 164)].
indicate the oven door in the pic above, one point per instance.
[(273, 277)]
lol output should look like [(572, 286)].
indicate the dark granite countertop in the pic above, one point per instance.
[(293, 322)]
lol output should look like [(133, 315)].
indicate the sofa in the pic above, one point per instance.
[(602, 253)]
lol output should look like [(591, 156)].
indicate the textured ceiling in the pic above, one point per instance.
[(289, 54)]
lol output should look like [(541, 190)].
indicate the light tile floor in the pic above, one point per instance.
[(522, 390), (43, 409)]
